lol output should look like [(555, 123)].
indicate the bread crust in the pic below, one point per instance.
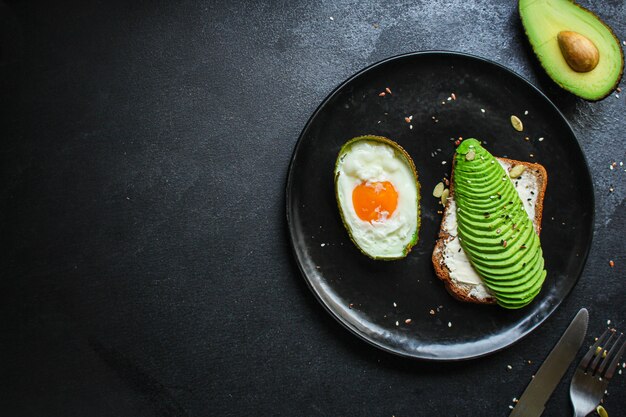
[(463, 292)]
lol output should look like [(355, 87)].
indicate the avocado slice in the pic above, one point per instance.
[(545, 21), (494, 229)]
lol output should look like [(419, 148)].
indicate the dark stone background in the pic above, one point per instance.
[(146, 268)]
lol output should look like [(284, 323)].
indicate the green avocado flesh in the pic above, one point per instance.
[(494, 229), (544, 19)]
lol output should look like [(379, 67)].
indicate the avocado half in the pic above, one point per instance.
[(543, 20), (400, 154)]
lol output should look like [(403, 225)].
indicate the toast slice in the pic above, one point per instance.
[(452, 265)]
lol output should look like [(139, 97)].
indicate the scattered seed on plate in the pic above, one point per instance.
[(443, 162), (382, 94), (332, 18), (453, 96), (438, 190), (509, 367), (540, 139), (397, 323), (611, 263), (526, 113), (608, 322), (517, 123), (444, 196), (407, 321), (431, 312), (482, 110), (388, 90), (449, 324), (411, 127)]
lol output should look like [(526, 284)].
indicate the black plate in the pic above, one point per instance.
[(341, 277)]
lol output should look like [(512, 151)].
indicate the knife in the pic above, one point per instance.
[(533, 400)]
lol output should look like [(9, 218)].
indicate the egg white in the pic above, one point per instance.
[(373, 161)]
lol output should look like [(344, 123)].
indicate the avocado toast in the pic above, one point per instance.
[(488, 249)]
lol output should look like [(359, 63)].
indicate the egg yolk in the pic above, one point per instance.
[(374, 201)]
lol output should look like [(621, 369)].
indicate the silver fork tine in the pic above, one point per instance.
[(606, 360), (594, 365), (592, 350), (611, 369)]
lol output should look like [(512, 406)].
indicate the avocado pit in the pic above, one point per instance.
[(579, 52)]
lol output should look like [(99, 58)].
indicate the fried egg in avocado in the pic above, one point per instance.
[(378, 196)]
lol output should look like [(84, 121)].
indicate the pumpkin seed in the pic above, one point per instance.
[(601, 411), (470, 155), (516, 171), (444, 196), (438, 190), (517, 123)]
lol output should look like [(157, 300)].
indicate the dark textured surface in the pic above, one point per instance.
[(146, 269)]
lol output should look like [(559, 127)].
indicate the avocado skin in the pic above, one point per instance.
[(587, 95), (490, 213), (410, 162)]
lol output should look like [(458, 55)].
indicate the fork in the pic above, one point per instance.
[(592, 375)]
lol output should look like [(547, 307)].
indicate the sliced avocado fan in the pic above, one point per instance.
[(494, 229), (577, 50)]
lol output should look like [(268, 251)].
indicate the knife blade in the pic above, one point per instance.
[(533, 400)]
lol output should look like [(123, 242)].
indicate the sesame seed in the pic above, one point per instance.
[(332, 18), (323, 244), (482, 110), (540, 139), (449, 324), (395, 305), (443, 162), (397, 323), (387, 89), (608, 322), (411, 127), (407, 321), (509, 367), (511, 407), (526, 113)]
